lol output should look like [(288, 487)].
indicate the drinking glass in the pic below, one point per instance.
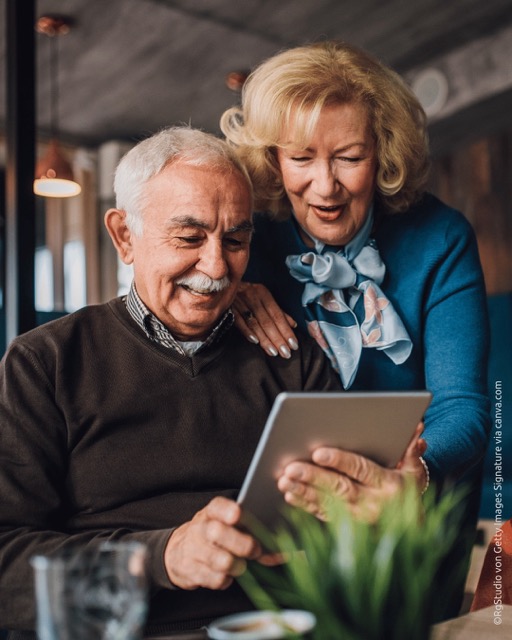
[(91, 593)]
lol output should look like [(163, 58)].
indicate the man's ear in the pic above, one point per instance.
[(115, 221)]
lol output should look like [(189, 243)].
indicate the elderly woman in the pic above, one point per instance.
[(383, 275)]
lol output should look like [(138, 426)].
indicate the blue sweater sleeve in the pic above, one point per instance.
[(456, 344)]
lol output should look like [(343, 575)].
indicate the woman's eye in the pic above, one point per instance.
[(300, 159), (350, 160)]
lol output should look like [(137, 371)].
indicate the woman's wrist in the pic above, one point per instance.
[(426, 483)]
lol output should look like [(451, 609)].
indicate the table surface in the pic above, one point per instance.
[(472, 626), (476, 626)]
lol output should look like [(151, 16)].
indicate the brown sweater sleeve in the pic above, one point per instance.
[(33, 445)]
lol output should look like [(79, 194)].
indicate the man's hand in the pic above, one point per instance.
[(361, 483), (209, 551)]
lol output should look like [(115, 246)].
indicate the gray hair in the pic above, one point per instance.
[(147, 158)]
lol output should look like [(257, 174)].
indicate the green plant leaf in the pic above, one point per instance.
[(364, 581)]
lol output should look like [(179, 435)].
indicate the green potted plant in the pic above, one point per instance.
[(383, 580)]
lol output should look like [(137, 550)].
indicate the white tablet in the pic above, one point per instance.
[(378, 425)]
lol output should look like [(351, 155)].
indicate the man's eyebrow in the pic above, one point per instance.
[(190, 221), (187, 221), (247, 225)]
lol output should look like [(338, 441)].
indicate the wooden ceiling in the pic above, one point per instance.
[(129, 67)]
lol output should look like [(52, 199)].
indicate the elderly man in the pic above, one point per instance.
[(137, 419)]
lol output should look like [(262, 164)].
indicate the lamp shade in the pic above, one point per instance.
[(54, 176)]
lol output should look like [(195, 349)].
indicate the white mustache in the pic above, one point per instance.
[(203, 283)]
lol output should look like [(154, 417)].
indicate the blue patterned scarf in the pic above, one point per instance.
[(345, 308)]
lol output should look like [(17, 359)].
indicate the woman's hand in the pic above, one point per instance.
[(209, 551), (364, 485), (261, 320)]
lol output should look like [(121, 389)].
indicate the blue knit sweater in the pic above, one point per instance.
[(434, 281)]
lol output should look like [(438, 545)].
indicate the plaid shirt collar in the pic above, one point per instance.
[(157, 332)]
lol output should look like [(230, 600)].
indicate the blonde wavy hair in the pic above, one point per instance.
[(300, 82)]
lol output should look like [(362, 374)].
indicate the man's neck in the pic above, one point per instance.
[(157, 332)]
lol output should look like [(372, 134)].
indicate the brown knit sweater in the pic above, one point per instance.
[(104, 434)]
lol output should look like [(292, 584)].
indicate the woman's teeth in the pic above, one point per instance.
[(334, 207)]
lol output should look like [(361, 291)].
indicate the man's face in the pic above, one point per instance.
[(197, 222)]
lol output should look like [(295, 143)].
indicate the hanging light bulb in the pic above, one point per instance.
[(54, 175)]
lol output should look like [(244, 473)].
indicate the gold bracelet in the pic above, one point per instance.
[(427, 474)]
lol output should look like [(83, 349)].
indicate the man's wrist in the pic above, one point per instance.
[(171, 586)]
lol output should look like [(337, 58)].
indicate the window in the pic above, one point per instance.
[(44, 294), (75, 295)]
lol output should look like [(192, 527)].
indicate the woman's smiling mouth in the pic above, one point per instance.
[(327, 213)]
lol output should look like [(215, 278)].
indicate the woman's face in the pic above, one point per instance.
[(331, 183)]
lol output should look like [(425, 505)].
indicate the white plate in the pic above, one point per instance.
[(261, 625)]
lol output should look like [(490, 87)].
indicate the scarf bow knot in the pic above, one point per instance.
[(335, 283)]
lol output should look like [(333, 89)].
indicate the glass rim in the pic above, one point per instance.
[(62, 555)]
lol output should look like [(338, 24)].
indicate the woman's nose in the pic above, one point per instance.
[(324, 179)]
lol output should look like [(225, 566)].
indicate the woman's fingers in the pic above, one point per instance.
[(337, 474), (261, 320), (411, 464), (416, 447), (334, 475), (313, 488), (352, 465)]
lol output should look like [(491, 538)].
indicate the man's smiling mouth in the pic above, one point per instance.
[(200, 284), (199, 292)]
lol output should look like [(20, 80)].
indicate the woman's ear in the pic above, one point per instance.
[(115, 221)]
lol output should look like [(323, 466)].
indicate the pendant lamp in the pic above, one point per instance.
[(54, 175)]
